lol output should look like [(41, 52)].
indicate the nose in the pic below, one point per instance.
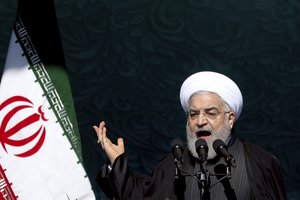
[(201, 120)]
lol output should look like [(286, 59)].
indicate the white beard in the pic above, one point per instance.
[(223, 134)]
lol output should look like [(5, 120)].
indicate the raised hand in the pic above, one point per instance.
[(112, 150)]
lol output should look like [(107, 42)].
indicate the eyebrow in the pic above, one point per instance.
[(208, 108)]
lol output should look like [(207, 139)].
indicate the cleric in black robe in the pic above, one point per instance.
[(215, 165)]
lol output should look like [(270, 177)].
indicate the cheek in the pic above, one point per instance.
[(191, 126), (219, 125)]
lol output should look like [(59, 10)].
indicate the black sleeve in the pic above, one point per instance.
[(103, 179), (265, 175), (121, 183)]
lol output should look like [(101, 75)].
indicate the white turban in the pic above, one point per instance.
[(212, 82)]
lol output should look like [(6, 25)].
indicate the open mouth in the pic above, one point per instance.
[(200, 134)]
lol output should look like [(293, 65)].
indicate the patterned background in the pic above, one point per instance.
[(127, 60)]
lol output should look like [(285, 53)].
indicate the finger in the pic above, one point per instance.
[(120, 142), (102, 128), (105, 141), (121, 146), (101, 125), (99, 130), (96, 131), (103, 135)]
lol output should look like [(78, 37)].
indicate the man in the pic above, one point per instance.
[(213, 102)]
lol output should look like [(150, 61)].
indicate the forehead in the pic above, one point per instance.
[(205, 100)]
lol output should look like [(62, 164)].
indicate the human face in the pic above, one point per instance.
[(216, 123)]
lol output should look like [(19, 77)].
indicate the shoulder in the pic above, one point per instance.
[(264, 173), (258, 151), (259, 156)]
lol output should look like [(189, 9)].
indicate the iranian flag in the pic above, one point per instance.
[(40, 152)]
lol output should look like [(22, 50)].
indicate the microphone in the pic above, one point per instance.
[(177, 150), (221, 149), (201, 149)]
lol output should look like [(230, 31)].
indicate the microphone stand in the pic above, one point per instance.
[(178, 165), (203, 178), (224, 179), (204, 181), (179, 183)]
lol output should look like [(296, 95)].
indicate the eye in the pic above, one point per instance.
[(194, 113), (212, 113)]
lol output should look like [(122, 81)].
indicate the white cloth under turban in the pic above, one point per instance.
[(212, 82)]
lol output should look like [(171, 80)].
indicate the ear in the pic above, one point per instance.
[(231, 119)]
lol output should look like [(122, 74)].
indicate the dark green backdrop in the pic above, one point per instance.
[(127, 60)]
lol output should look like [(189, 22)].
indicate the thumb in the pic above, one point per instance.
[(121, 144)]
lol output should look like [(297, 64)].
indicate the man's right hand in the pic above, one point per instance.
[(112, 150)]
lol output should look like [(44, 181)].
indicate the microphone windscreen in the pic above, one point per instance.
[(176, 142), (217, 143), (177, 150), (201, 149), (201, 143)]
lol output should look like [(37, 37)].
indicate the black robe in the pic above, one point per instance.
[(259, 172)]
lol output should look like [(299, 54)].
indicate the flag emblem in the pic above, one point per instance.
[(18, 132)]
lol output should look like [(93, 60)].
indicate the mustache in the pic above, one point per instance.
[(202, 129)]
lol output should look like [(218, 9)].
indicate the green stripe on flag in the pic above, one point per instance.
[(61, 82), (53, 81)]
